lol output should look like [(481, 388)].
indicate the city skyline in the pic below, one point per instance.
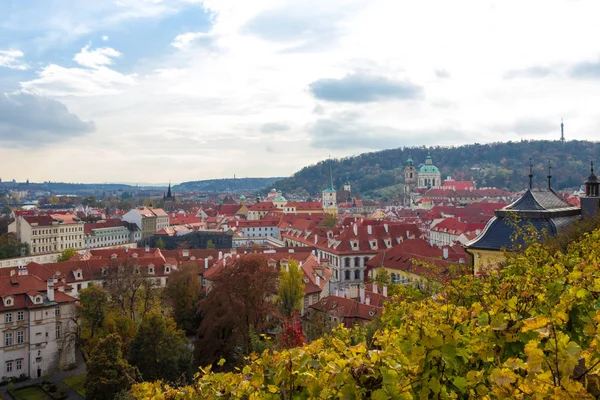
[(134, 90)]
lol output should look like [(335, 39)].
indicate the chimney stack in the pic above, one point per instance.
[(318, 281), (384, 293), (337, 292), (385, 226), (147, 248), (50, 290), (355, 229), (445, 250), (316, 238), (185, 253), (375, 287), (370, 229), (368, 300), (206, 263), (220, 255), (362, 294)]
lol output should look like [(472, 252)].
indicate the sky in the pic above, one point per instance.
[(179, 90)]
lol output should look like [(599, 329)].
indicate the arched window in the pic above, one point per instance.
[(347, 262), (357, 262), (357, 274), (411, 175), (347, 275)]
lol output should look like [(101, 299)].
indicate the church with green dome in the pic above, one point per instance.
[(428, 175)]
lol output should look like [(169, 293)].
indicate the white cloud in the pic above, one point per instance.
[(104, 38), (185, 40), (12, 59), (97, 57), (95, 80)]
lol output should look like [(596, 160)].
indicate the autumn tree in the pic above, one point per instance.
[(241, 296), (159, 349), (291, 289), (160, 244), (128, 286), (210, 245), (66, 255), (108, 374), (183, 292)]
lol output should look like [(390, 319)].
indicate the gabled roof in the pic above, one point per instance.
[(533, 199)]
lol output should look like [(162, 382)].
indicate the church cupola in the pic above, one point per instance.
[(592, 185)]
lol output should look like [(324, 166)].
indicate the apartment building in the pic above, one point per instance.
[(36, 324), (112, 232), (49, 233), (148, 220)]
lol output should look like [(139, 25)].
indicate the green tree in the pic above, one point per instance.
[(291, 289), (159, 349), (108, 374), (66, 255), (11, 247), (330, 221), (210, 245), (183, 291), (93, 304), (6, 210), (160, 244)]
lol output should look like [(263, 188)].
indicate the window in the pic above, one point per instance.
[(20, 315), (357, 274), (8, 339), (9, 302), (347, 275), (19, 364), (306, 302), (57, 331), (9, 366), (20, 337), (57, 310), (8, 317)]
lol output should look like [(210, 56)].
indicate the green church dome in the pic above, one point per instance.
[(279, 198), (428, 168)]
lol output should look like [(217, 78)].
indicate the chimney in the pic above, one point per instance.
[(126, 250), (319, 259), (300, 264), (368, 300), (370, 229), (337, 292), (185, 253), (318, 281), (384, 293), (375, 287), (292, 250), (445, 250), (50, 290), (362, 294), (206, 263), (385, 226), (225, 262), (316, 238), (313, 252), (147, 248), (355, 229), (220, 255)]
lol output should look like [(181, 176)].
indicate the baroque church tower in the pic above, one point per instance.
[(330, 197)]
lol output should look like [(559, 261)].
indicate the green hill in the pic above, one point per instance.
[(503, 165), (226, 185)]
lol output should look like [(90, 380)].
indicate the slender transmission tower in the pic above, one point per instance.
[(562, 131)]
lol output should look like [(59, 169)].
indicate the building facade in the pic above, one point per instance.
[(49, 233)]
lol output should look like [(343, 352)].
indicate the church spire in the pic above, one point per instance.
[(169, 195), (330, 177), (530, 174)]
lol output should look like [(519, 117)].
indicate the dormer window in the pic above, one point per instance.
[(134, 255), (113, 256), (9, 301), (167, 269), (38, 299), (372, 313), (151, 269)]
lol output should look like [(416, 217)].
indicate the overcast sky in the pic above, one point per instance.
[(151, 90)]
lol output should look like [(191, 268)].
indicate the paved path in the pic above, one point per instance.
[(57, 379)]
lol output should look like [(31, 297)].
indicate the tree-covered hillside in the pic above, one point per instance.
[(503, 165), (226, 185)]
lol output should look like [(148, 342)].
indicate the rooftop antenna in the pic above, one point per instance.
[(549, 175), (562, 131), (530, 174), (592, 167)]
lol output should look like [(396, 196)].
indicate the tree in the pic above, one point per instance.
[(11, 247), (291, 289), (108, 374), (6, 210), (183, 291), (210, 245), (240, 297), (93, 304), (128, 286), (159, 349), (160, 244), (528, 330), (66, 255), (330, 221)]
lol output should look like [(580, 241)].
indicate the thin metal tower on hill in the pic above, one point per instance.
[(562, 131)]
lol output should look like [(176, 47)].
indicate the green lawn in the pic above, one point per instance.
[(30, 393), (76, 383)]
